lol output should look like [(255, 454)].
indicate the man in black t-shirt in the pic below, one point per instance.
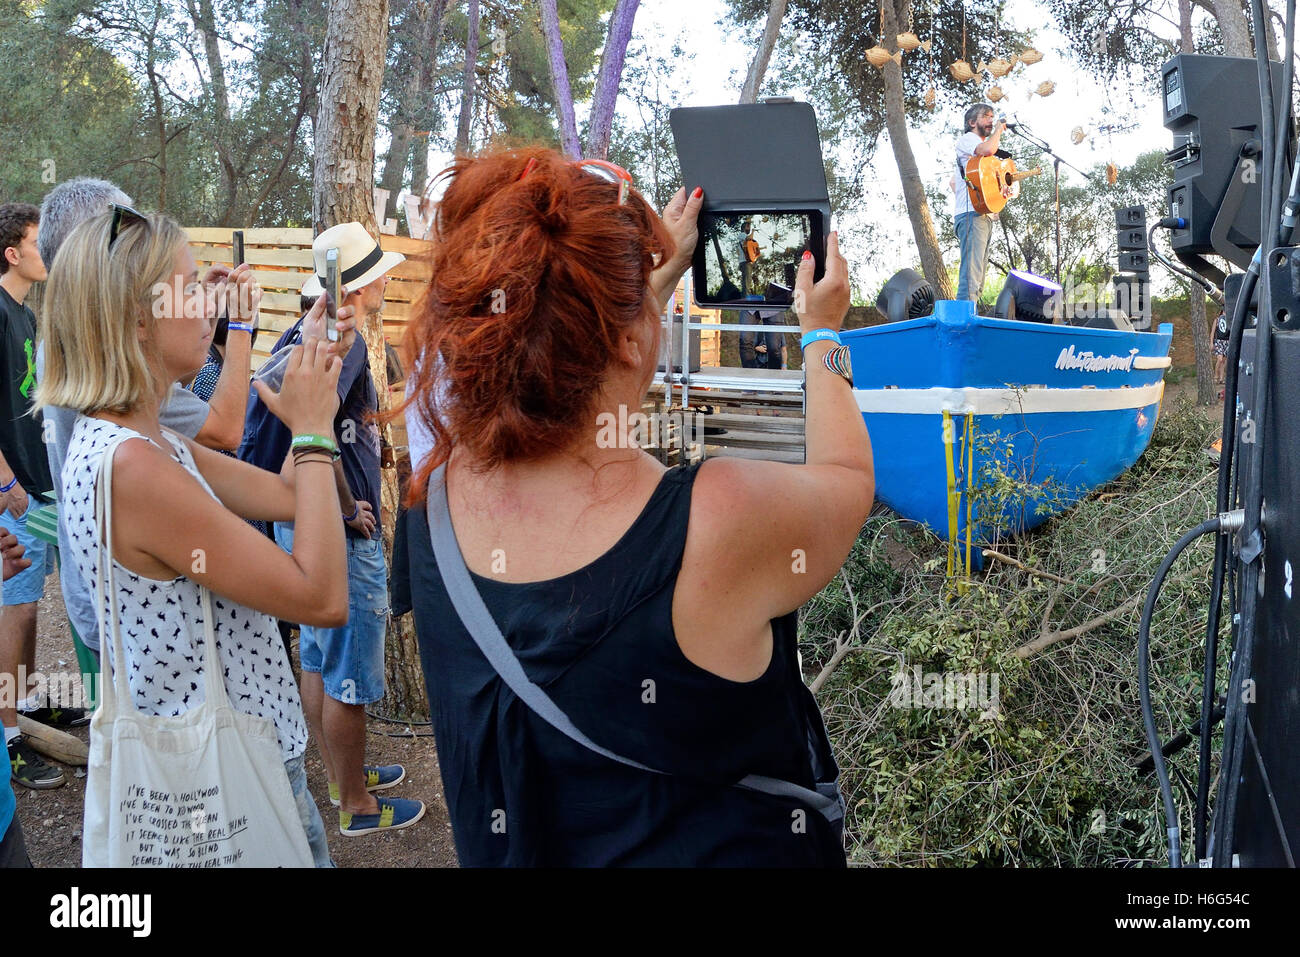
[(24, 480)]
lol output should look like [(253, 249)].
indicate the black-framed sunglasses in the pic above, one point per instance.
[(123, 216)]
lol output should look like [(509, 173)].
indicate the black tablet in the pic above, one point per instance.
[(765, 196)]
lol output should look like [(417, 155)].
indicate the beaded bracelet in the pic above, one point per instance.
[(838, 361)]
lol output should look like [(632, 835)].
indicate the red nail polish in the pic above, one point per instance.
[(699, 191), (807, 255)]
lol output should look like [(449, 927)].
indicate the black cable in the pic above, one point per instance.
[(1204, 283), (387, 720), (1234, 730), (1144, 686), (1225, 500)]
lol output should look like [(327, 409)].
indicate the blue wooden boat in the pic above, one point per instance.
[(985, 427)]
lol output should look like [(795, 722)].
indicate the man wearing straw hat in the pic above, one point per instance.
[(343, 668)]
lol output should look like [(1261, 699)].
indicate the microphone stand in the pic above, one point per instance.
[(1034, 140)]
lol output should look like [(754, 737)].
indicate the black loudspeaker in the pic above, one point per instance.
[(907, 295), (1134, 262), (1268, 802), (1133, 298), (1129, 240), (1028, 298), (1211, 105)]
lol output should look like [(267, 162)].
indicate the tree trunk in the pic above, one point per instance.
[(569, 142), (918, 207), (205, 20), (1185, 27), (467, 86), (352, 74), (1233, 26), (605, 97), (1196, 316), (758, 66), (407, 121)]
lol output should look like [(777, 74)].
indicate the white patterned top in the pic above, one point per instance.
[(162, 621)]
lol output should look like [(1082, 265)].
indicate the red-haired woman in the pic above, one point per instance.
[(645, 705)]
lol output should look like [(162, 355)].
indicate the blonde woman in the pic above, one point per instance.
[(127, 318)]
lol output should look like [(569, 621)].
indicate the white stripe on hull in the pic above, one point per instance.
[(1006, 401)]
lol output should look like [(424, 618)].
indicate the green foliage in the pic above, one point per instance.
[(66, 106), (1046, 776)]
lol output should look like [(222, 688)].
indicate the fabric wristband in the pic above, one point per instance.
[(308, 440), (12, 483), (240, 326), (819, 335), (304, 451)]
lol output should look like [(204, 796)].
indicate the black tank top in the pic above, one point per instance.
[(600, 641)]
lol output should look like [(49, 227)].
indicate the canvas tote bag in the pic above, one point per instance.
[(204, 789)]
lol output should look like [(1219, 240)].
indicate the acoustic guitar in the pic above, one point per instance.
[(985, 178)]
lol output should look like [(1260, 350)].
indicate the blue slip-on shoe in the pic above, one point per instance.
[(379, 778), (394, 814)]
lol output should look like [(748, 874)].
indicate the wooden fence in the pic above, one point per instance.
[(282, 261)]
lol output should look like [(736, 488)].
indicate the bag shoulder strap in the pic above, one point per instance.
[(478, 621), (112, 680)]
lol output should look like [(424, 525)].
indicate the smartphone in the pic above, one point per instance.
[(744, 258), (237, 241), (332, 294)]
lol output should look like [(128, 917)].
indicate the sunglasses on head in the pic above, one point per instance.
[(123, 216), (601, 169)]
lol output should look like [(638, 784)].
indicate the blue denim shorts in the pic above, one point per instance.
[(28, 585), (350, 660)]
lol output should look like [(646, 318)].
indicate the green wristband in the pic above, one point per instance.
[(314, 441)]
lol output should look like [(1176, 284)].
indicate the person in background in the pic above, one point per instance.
[(217, 424), (206, 380), (113, 355), (13, 850), (1222, 333), (24, 481), (655, 613), (762, 350), (343, 667)]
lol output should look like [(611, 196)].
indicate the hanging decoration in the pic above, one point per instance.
[(1046, 88), (1029, 56), (960, 70), (907, 42), (928, 46), (994, 93), (1112, 173), (999, 67), (1078, 135), (878, 56)]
